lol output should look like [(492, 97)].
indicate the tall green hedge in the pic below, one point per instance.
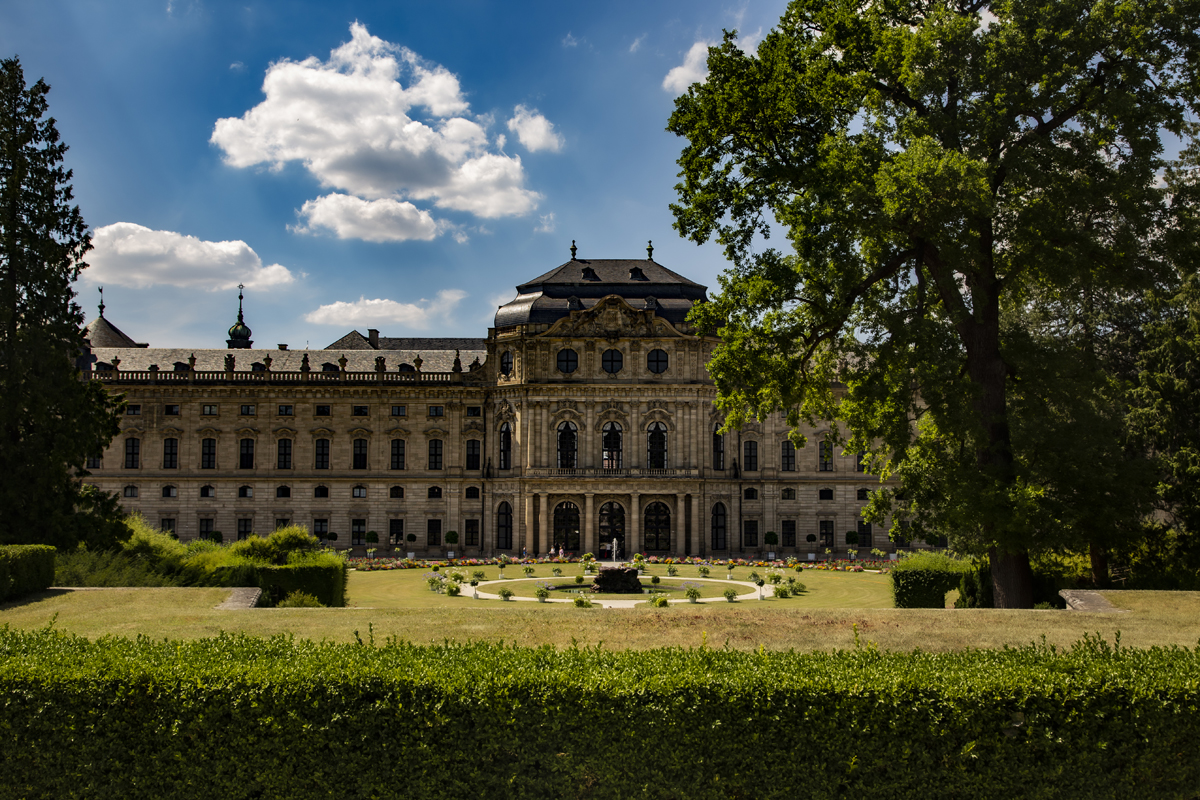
[(238, 717), (325, 581), (922, 579), (25, 569)]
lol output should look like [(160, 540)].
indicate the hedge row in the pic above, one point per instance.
[(922, 579), (25, 569), (238, 717), (326, 582)]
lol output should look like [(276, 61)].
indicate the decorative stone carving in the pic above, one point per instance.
[(612, 318)]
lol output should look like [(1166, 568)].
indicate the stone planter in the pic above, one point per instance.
[(812, 556), (411, 556)]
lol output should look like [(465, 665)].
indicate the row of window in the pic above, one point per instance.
[(750, 493), (824, 535), (284, 447), (287, 410), (787, 456), (360, 491), (611, 361)]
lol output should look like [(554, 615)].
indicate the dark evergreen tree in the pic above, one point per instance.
[(50, 420)]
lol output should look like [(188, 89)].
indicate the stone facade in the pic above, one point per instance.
[(585, 416)]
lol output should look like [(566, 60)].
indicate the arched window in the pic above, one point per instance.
[(656, 534), (246, 454), (208, 454), (360, 454), (610, 442), (568, 439), (397, 454), (505, 446), (787, 456), (133, 453), (718, 448), (208, 491), (612, 361), (472, 492), (283, 491), (435, 454), (788, 494), (170, 454), (612, 526), (170, 491), (284, 448), (245, 491), (321, 492), (656, 446), (359, 491), (750, 456), (506, 362), (396, 493), (321, 454), (750, 493), (566, 527), (472, 454), (657, 361), (719, 527), (568, 361), (504, 527), (435, 492)]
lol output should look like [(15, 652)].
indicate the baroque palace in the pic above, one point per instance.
[(584, 419)]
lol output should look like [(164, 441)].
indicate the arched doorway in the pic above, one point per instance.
[(566, 527), (657, 530), (612, 526)]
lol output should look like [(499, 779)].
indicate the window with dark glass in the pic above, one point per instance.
[(862, 494), (718, 527), (750, 456), (611, 361), (322, 411), (245, 528), (358, 492), (133, 410), (209, 411), (208, 491), (130, 491), (286, 411), (568, 361), (396, 493), (133, 453), (505, 447), (247, 411), (566, 527), (506, 362), (94, 462), (360, 454), (718, 448), (860, 462), (283, 491), (170, 491), (320, 528), (472, 532), (208, 454), (433, 532), (321, 454), (656, 446), (435, 492), (245, 491), (396, 532), (171, 411), (399, 411), (825, 456), (246, 454), (358, 531), (397, 454), (750, 493), (787, 456), (474, 411), (472, 492), (435, 454), (567, 440), (206, 528), (864, 535), (170, 454), (360, 411), (825, 532), (657, 361), (321, 492), (282, 523), (656, 531), (504, 527), (437, 411), (610, 441), (750, 532), (825, 494), (284, 454), (788, 494), (789, 532), (473, 450), (166, 525)]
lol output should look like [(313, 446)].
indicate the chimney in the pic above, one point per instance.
[(373, 335), (282, 346)]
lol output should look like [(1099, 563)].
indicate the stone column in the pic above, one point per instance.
[(526, 451), (589, 538), (526, 527), (588, 440), (679, 532), (633, 541), (694, 531), (543, 539)]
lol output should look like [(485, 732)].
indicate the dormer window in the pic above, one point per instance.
[(574, 303), (651, 303), (636, 274), (589, 274)]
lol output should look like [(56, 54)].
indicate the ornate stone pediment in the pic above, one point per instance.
[(285, 431), (658, 415), (208, 430), (436, 433), (321, 430), (397, 431), (246, 430), (473, 425), (612, 318), (171, 430)]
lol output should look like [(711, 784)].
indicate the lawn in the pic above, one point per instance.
[(827, 616)]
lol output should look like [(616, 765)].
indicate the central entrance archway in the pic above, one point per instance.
[(566, 527), (612, 526), (657, 530)]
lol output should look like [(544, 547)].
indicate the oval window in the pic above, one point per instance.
[(656, 361), (611, 361), (568, 361)]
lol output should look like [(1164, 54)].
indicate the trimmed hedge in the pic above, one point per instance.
[(326, 582), (239, 717), (25, 569), (922, 579)]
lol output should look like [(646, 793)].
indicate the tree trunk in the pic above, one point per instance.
[(1099, 557), (1012, 579)]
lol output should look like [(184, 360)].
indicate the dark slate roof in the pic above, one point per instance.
[(213, 360), (356, 341), (102, 333), (580, 283)]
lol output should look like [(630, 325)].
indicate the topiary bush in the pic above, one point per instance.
[(25, 569), (922, 579), (299, 599)]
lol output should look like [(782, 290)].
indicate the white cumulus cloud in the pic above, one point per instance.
[(377, 121), (127, 254), (383, 220), (534, 131), (421, 314), (545, 224), (694, 68)]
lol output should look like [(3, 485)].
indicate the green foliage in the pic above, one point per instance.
[(299, 599), (771, 538), (922, 579), (1088, 721), (451, 537), (25, 569), (579, 579), (782, 591), (373, 537), (505, 593), (659, 601), (730, 594), (1163, 557), (50, 420), (322, 575), (583, 602)]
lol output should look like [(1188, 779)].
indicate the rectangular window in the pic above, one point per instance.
[(360, 411), (321, 452), (130, 491), (170, 454), (358, 531), (93, 462), (286, 411), (435, 454), (322, 411), (787, 459), (904, 535), (825, 456), (133, 453), (436, 411), (166, 525), (474, 411), (825, 530), (133, 411), (209, 411), (433, 532), (320, 528), (750, 533), (397, 454), (860, 462), (472, 454), (472, 532), (399, 411), (360, 454), (246, 454), (285, 454), (245, 528), (282, 523), (206, 528), (789, 533), (718, 451), (171, 411), (865, 539), (247, 411), (396, 532), (208, 454), (750, 456)]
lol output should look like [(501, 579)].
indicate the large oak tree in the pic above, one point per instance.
[(946, 171)]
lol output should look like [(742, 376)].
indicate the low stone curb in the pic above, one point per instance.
[(752, 595), (1089, 601), (241, 598)]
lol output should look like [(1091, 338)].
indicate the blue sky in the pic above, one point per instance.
[(396, 165)]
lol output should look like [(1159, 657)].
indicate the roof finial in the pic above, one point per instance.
[(573, 248), (102, 302), (240, 287), (649, 250)]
